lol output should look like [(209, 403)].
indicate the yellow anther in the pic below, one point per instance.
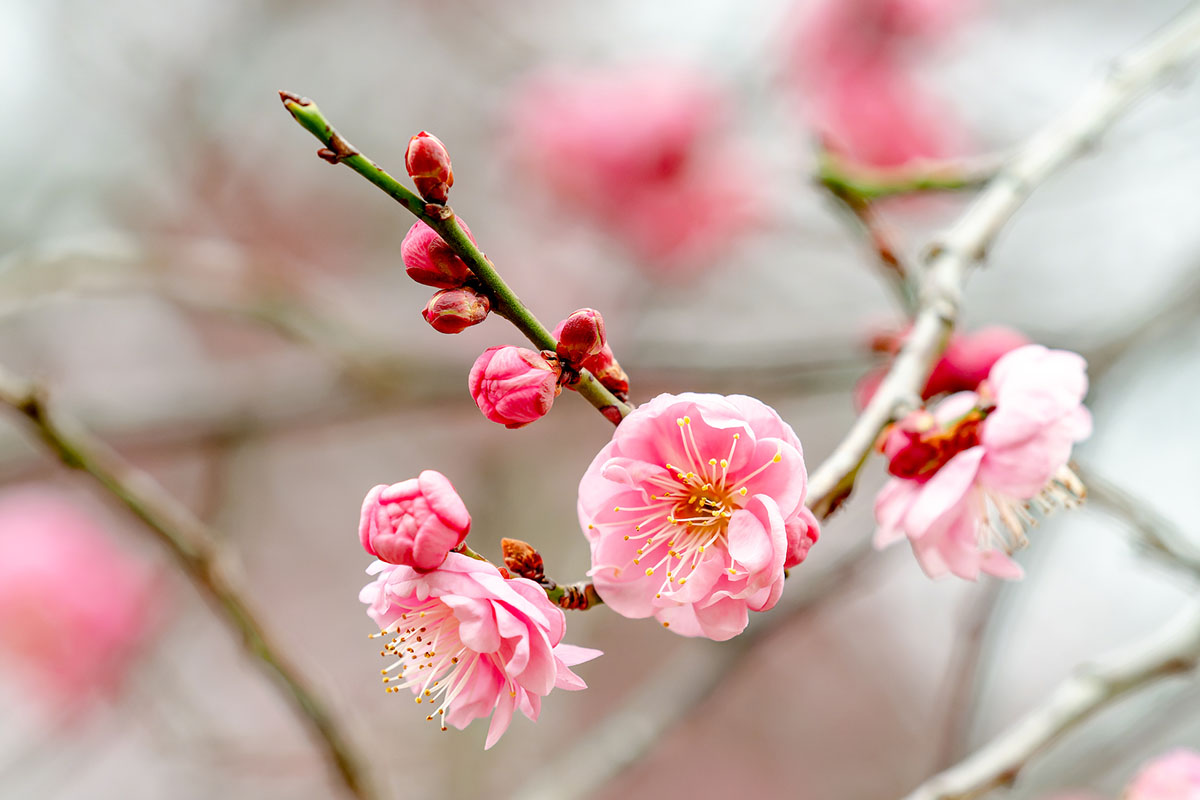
[(724, 464), (666, 624), (679, 421), (712, 462), (649, 571), (778, 457), (627, 538), (687, 420)]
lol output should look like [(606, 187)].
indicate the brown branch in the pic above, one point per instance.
[(969, 240), (194, 546)]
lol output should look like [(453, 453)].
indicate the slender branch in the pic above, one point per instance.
[(888, 255), (964, 668), (969, 240), (1154, 532), (1174, 650), (194, 547), (866, 183), (441, 218)]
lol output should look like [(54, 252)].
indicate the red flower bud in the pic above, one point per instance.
[(455, 310), (428, 260), (513, 386), (606, 370), (428, 164), (580, 336)]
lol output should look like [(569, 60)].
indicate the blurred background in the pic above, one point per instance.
[(232, 314)]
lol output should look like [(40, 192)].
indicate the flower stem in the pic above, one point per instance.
[(872, 183), (441, 218)]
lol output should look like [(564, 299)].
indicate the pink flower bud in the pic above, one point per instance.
[(429, 261), (513, 386), (580, 336), (428, 164), (415, 523), (606, 370), (455, 310)]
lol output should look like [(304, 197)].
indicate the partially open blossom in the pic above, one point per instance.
[(694, 510), (428, 164), (990, 458), (965, 364), (1174, 776), (513, 386), (580, 336), (469, 643), (75, 610), (415, 522), (455, 310), (430, 261), (643, 151)]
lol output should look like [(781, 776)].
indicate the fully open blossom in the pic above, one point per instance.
[(694, 510), (965, 364), (75, 610), (968, 475), (415, 522), (513, 385), (469, 642), (1174, 776), (642, 151)]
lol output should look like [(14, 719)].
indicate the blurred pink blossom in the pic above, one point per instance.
[(513, 386), (415, 522), (642, 151), (75, 610), (694, 510), (964, 365), (1173, 776), (851, 67), (998, 452), (484, 643)]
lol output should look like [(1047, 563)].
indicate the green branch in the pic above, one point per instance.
[(866, 183), (441, 218)]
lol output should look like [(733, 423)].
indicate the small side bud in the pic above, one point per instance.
[(580, 336), (513, 386), (428, 260), (606, 370), (523, 560), (455, 310), (428, 163)]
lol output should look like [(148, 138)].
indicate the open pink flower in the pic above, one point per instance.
[(963, 366), (75, 610), (641, 150), (469, 642), (1174, 776), (994, 455), (415, 522), (694, 510)]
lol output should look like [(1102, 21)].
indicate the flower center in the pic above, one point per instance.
[(688, 513), (430, 659)]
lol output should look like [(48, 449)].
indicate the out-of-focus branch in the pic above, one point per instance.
[(1172, 651), (193, 546), (964, 668), (969, 240), (1154, 532), (441, 218), (630, 732), (864, 183), (888, 255)]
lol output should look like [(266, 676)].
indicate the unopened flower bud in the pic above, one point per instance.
[(455, 310), (605, 368), (415, 522), (513, 386), (580, 336), (428, 260), (428, 164), (523, 560)]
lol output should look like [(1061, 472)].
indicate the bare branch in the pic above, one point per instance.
[(1172, 651), (194, 547), (969, 240)]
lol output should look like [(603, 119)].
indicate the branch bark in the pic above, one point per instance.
[(194, 546), (968, 241)]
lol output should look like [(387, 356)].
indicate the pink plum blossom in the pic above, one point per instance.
[(469, 642), (75, 611), (963, 366), (415, 522), (1173, 776), (642, 151), (513, 386), (995, 454), (694, 510)]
